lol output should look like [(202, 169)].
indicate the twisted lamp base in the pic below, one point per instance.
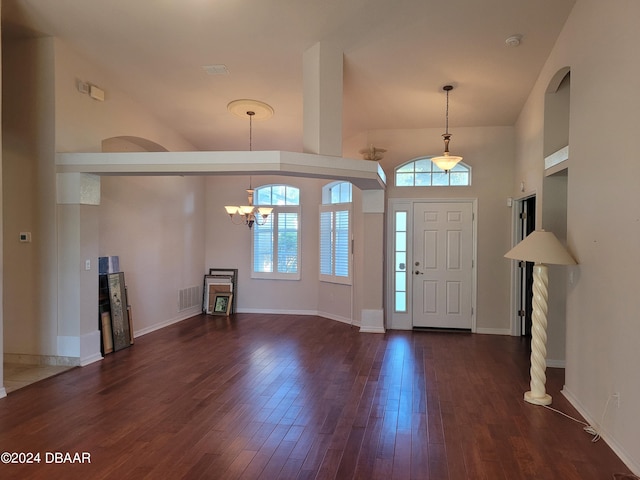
[(537, 395)]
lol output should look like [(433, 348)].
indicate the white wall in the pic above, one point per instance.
[(48, 114), (555, 220), (30, 269), (490, 152), (82, 122), (155, 225), (599, 43)]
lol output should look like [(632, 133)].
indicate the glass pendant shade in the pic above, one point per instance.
[(446, 162)]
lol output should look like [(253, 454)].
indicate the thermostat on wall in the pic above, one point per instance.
[(25, 237)]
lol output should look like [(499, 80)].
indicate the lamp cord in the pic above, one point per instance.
[(590, 429), (587, 428)]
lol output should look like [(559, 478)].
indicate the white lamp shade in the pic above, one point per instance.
[(265, 210), (446, 162), (541, 247), (231, 209)]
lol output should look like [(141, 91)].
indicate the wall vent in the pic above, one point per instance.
[(189, 297)]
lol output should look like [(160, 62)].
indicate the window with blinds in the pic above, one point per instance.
[(335, 233), (276, 244)]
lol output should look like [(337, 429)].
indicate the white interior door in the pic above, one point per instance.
[(442, 269)]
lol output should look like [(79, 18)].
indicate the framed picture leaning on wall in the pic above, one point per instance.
[(119, 314), (232, 275), (219, 280), (222, 303)]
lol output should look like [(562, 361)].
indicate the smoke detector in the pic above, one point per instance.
[(513, 40)]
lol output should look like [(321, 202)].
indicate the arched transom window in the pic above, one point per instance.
[(422, 172)]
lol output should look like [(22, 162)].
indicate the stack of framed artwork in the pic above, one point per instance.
[(116, 321), (220, 291)]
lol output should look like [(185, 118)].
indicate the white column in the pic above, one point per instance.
[(372, 261), (322, 99), (77, 227)]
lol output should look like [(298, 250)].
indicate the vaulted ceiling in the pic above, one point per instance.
[(397, 56)]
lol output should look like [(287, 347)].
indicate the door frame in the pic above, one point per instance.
[(517, 235), (404, 320)]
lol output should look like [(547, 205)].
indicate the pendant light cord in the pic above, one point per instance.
[(250, 114), (447, 88), (446, 121)]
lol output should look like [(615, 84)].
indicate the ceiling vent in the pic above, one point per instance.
[(216, 69)]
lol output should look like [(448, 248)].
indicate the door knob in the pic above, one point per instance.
[(418, 272)]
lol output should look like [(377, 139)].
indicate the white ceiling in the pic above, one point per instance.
[(397, 56)]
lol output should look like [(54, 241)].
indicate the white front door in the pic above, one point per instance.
[(442, 268)]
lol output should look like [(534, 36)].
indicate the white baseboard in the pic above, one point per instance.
[(339, 318), (372, 321), (27, 359), (278, 311), (617, 448), (186, 314), (372, 330), (556, 363), (91, 359), (493, 331), (90, 348), (158, 326), (3, 392), (330, 316)]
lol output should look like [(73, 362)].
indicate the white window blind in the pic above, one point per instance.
[(335, 243), (276, 244)]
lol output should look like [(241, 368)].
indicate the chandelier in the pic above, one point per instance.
[(249, 214), (446, 161)]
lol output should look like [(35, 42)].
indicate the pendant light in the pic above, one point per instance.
[(446, 161), (249, 214)]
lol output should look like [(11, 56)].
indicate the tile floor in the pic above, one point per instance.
[(17, 375)]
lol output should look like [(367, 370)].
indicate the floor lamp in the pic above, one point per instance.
[(542, 248)]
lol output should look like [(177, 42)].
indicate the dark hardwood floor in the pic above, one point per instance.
[(301, 397)]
